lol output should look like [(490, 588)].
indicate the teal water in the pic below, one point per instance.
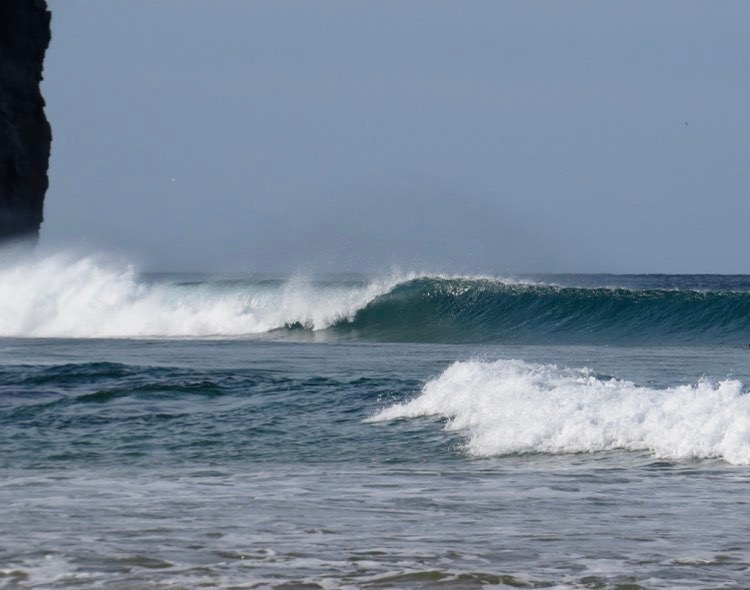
[(566, 432), (704, 311)]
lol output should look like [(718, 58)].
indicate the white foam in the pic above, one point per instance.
[(511, 406), (86, 296)]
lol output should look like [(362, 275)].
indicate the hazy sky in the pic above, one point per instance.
[(447, 136)]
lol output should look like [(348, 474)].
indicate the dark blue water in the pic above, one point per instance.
[(577, 432)]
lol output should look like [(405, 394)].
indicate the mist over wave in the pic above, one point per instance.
[(86, 297), (511, 406)]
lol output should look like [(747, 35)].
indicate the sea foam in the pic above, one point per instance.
[(511, 406), (89, 297)]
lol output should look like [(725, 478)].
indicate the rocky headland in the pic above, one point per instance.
[(25, 135)]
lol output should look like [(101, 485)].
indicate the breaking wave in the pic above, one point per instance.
[(86, 297), (439, 309), (514, 407)]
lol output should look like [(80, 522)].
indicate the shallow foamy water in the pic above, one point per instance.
[(605, 521)]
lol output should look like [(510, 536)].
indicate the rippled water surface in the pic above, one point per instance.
[(255, 464)]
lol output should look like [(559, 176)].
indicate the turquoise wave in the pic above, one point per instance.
[(479, 310)]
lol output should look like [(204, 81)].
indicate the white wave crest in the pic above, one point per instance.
[(87, 297), (511, 406)]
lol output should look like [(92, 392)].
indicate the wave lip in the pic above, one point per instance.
[(475, 309), (514, 407)]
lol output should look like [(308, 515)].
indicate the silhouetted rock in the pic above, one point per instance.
[(25, 135)]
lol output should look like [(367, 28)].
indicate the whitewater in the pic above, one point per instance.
[(394, 430), (91, 297), (67, 296), (511, 406)]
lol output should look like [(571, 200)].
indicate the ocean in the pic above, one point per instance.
[(409, 430)]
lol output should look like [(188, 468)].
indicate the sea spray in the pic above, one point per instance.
[(89, 297), (184, 461), (511, 406)]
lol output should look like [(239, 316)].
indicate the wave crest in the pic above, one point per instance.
[(469, 309), (88, 297), (510, 406), (85, 297)]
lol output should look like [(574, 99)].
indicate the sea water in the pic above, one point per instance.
[(411, 430)]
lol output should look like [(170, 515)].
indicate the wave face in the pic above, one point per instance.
[(511, 407), (84, 297), (490, 310)]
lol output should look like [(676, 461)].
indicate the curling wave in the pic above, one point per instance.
[(437, 309), (84, 297), (514, 407)]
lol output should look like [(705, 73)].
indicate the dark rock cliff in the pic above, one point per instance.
[(25, 135)]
